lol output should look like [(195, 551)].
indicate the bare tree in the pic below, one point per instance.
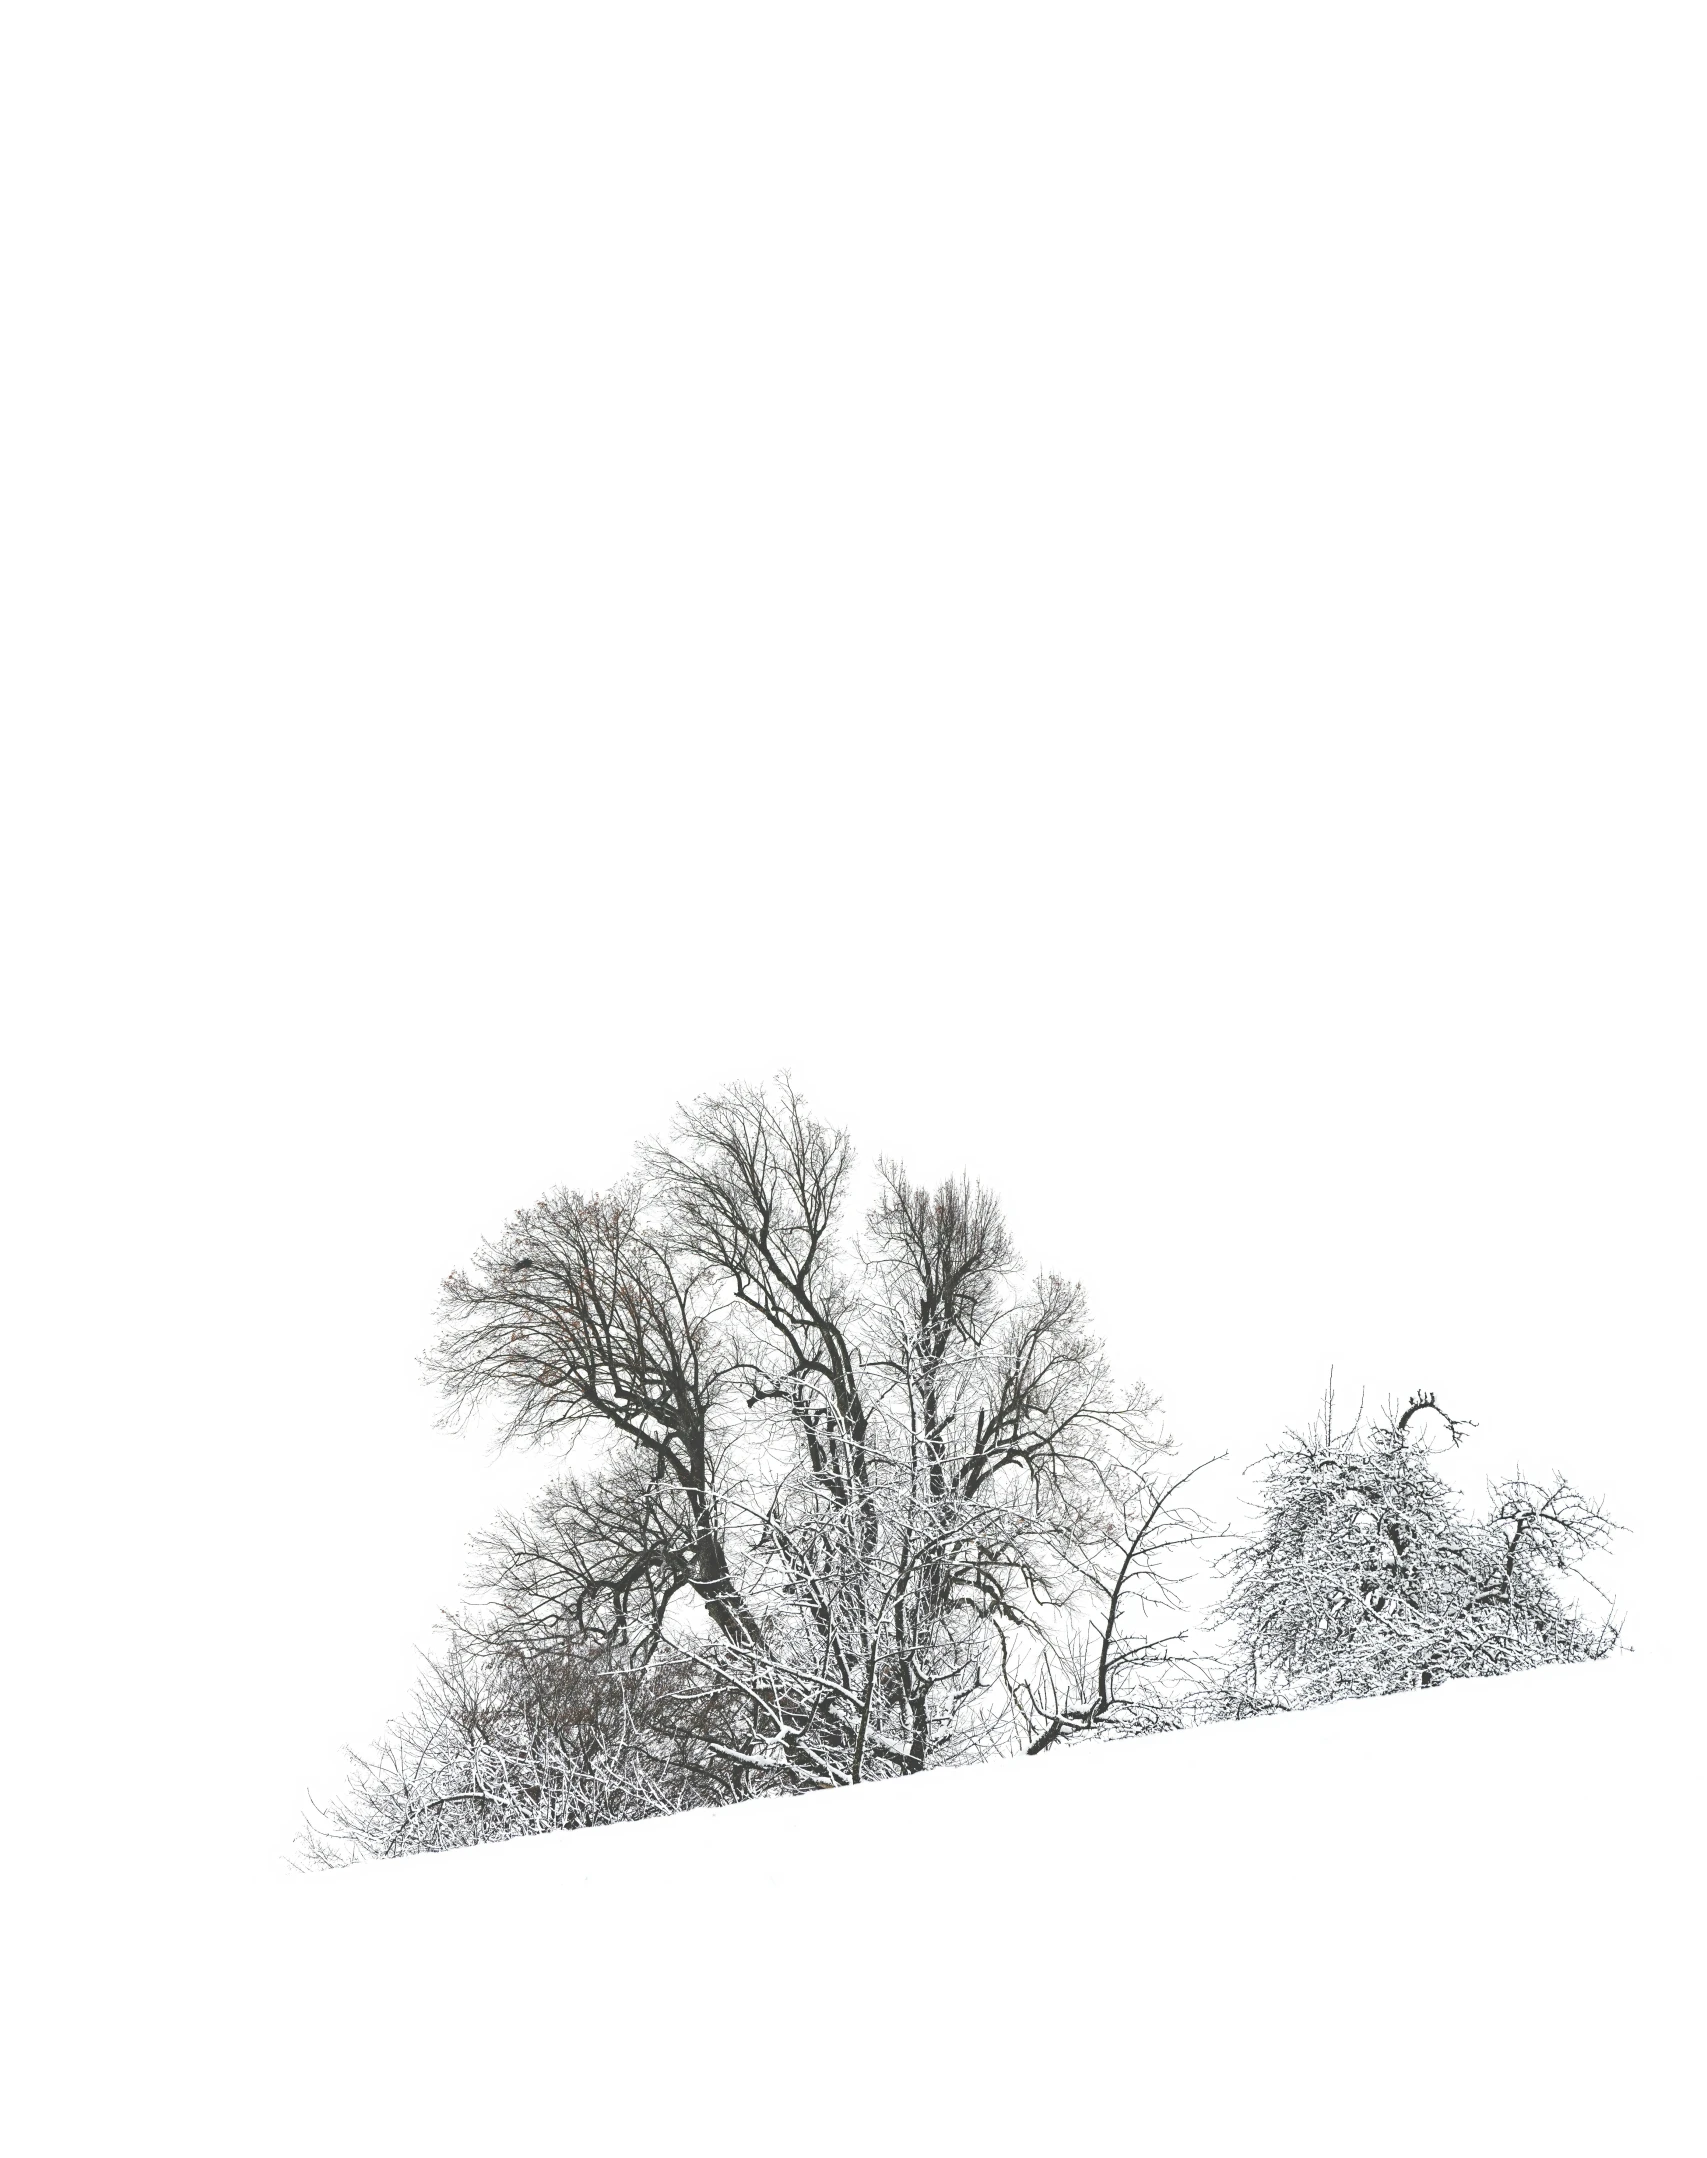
[(840, 1502), (1365, 1575)]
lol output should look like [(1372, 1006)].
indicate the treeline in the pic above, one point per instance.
[(850, 1501)]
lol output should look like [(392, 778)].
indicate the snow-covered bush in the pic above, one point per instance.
[(1366, 1575), (497, 1744)]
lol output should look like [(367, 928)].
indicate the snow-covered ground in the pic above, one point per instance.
[(1463, 1921)]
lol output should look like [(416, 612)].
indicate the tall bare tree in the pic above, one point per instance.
[(841, 1500)]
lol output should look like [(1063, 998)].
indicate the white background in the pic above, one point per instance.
[(1118, 589)]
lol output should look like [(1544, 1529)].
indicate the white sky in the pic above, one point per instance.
[(1120, 594)]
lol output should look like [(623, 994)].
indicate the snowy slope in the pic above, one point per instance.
[(1442, 1922)]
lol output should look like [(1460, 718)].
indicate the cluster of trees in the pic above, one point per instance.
[(851, 1501)]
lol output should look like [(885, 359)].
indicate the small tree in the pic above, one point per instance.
[(1365, 1576)]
